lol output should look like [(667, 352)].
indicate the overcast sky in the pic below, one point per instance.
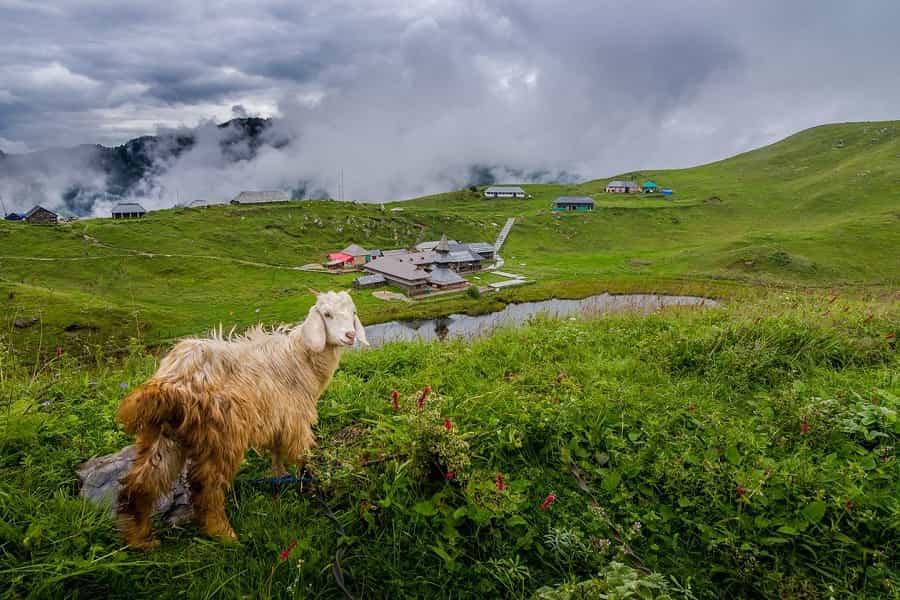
[(405, 95)]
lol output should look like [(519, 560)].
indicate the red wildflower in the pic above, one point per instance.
[(448, 424), (394, 396), (58, 351), (891, 336), (287, 551), (692, 407), (548, 501), (500, 484), (804, 427), (741, 491), (849, 505), (425, 391), (869, 318), (450, 475)]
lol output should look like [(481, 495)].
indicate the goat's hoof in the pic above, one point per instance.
[(225, 536), (145, 545)]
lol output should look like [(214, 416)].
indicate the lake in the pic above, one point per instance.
[(465, 326)]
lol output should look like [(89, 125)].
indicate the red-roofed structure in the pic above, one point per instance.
[(339, 260)]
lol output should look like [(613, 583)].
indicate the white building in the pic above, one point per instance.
[(496, 191)]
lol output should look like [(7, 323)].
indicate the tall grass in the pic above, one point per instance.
[(738, 451)]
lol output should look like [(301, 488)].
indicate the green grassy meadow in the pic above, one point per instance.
[(802, 213), (742, 451)]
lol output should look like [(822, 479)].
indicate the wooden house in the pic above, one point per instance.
[(261, 197), (128, 210), (338, 261), (502, 191), (622, 187), (576, 203), (360, 255), (408, 276), (41, 216), (369, 281)]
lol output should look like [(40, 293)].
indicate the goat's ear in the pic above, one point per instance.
[(360, 331), (314, 292), (313, 331)]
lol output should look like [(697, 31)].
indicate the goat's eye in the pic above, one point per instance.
[(327, 315)]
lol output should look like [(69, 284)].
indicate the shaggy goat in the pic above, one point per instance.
[(212, 399)]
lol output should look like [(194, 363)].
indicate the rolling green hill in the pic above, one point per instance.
[(745, 450), (818, 209)]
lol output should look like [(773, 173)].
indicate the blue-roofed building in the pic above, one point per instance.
[(578, 203)]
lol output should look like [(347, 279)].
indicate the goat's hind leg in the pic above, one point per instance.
[(209, 476), (157, 463)]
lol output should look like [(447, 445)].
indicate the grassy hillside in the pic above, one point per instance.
[(732, 452), (746, 450), (819, 209)]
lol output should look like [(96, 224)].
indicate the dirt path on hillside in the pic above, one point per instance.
[(138, 254), (127, 253)]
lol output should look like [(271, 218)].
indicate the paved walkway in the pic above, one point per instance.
[(508, 275)]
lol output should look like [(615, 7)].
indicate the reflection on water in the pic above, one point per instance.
[(465, 326)]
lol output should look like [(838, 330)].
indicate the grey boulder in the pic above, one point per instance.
[(100, 478)]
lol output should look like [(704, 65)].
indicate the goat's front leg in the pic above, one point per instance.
[(278, 469), (293, 452)]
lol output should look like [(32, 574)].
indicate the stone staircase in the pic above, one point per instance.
[(504, 233)]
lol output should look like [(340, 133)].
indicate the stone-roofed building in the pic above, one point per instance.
[(504, 191), (128, 210), (41, 216), (263, 197), (622, 187), (579, 203)]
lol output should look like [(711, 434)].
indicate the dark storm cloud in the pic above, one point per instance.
[(407, 97)]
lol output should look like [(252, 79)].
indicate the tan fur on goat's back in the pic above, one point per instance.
[(253, 386)]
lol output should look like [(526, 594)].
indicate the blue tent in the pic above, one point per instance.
[(14, 217), (667, 191)]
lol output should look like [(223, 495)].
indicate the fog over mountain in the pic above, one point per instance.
[(412, 98)]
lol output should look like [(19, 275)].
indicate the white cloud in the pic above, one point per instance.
[(407, 97), (13, 146), (58, 77)]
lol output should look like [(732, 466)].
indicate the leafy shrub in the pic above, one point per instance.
[(616, 582)]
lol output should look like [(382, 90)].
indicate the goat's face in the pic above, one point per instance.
[(332, 321)]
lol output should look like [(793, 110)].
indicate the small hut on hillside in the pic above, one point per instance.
[(41, 216), (261, 197), (579, 203), (128, 210), (622, 187), (504, 191)]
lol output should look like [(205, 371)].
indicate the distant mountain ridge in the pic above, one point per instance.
[(73, 180), (126, 165)]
